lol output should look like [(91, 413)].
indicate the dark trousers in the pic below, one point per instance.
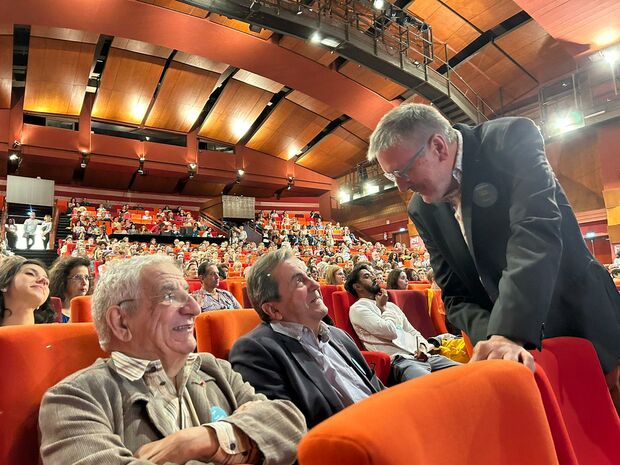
[(404, 369), (29, 241)]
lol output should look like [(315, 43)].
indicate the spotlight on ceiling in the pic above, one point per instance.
[(316, 37), (192, 168), (13, 156), (140, 171), (240, 172), (378, 4), (141, 159), (84, 161)]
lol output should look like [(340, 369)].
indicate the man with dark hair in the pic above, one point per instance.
[(383, 327), (293, 355), (209, 297)]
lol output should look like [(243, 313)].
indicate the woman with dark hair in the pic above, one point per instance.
[(397, 279), (11, 234), (69, 278), (24, 292)]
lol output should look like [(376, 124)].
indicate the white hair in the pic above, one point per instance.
[(120, 281), (406, 121)]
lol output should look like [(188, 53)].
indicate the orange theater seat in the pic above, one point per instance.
[(414, 305), (235, 287), (32, 359), (378, 361), (246, 298), (81, 309), (418, 286), (426, 420), (194, 284), (575, 374), (437, 310), (217, 331)]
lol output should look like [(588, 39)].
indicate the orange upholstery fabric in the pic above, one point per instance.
[(81, 309), (235, 287), (437, 310), (217, 331), (414, 305), (575, 374), (32, 359), (427, 421), (194, 284), (468, 345), (246, 298), (416, 286)]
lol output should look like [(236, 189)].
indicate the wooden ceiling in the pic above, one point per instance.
[(147, 85)]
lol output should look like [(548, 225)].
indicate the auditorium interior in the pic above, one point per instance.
[(218, 130)]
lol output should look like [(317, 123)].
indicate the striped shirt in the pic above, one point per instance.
[(175, 402)]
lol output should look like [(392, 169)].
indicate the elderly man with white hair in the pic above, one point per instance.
[(154, 400)]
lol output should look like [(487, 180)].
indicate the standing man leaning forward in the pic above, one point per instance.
[(153, 400), (504, 243), (293, 354)]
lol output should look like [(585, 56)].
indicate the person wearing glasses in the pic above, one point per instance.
[(209, 297), (503, 240), (69, 278), (155, 400)]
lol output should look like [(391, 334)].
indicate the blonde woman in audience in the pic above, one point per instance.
[(24, 292), (335, 275), (69, 278)]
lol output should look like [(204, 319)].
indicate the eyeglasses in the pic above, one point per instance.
[(80, 277), (402, 173), (177, 298)]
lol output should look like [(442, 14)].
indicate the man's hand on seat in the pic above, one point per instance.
[(500, 347)]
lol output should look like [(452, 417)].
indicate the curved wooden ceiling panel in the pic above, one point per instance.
[(57, 75), (287, 130), (488, 70), (447, 26), (373, 81), (321, 55), (234, 112), (6, 70), (313, 104), (335, 154), (258, 81), (182, 96), (484, 14), (358, 129), (239, 26), (62, 33), (179, 6), (538, 52), (127, 86)]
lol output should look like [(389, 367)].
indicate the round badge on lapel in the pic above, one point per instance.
[(485, 194)]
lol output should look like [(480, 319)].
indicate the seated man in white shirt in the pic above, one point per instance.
[(383, 327), (155, 401)]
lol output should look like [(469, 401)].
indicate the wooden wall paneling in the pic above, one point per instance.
[(316, 53), (239, 26), (200, 62), (127, 86), (538, 52), (63, 33), (447, 26), (150, 183), (57, 76), (258, 81), (60, 172), (200, 187), (182, 96), (108, 179), (335, 154), (312, 104), (179, 6), (287, 130), (6, 70), (234, 112), (141, 47), (358, 129), (374, 81)]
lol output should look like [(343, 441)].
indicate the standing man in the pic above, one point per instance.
[(293, 355), (155, 401), (30, 229), (505, 246)]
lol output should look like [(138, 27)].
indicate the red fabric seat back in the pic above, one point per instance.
[(327, 291), (194, 284), (342, 302), (414, 305), (575, 374), (56, 304)]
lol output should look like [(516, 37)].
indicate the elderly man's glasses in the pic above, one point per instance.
[(402, 173), (176, 298)]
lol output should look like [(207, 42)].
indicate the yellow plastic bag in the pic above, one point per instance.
[(455, 350)]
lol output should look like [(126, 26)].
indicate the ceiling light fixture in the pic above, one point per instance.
[(316, 37), (378, 4), (240, 172)]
